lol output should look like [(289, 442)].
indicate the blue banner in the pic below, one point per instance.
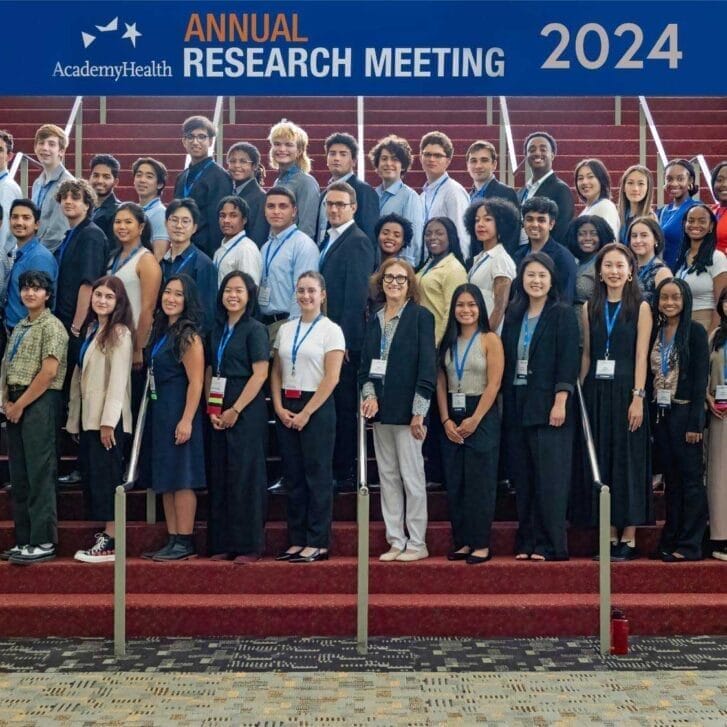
[(369, 47)]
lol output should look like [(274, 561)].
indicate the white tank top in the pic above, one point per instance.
[(129, 276)]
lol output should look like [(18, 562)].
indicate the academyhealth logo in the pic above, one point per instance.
[(112, 26)]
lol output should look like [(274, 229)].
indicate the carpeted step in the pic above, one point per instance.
[(434, 575), (531, 615), (74, 535)]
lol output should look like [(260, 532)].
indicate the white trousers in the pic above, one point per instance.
[(403, 485)]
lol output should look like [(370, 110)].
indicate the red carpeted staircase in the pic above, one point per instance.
[(431, 597)]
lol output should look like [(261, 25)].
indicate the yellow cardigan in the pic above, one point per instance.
[(436, 286)]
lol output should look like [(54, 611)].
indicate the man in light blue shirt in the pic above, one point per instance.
[(30, 254), (287, 254), (392, 158), (150, 177)]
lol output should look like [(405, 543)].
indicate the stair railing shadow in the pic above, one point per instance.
[(362, 521)]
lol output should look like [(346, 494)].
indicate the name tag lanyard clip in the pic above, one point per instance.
[(155, 350), (458, 399)]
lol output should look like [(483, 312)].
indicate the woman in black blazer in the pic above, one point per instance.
[(243, 164), (397, 378), (540, 338), (677, 389)]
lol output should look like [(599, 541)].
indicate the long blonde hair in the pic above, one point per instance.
[(288, 131), (644, 207)]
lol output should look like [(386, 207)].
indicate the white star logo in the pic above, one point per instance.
[(131, 33)]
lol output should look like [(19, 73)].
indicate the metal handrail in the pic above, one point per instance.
[(702, 164), (22, 161), (361, 156), (75, 121), (120, 528), (362, 521), (646, 120), (604, 530), (507, 145)]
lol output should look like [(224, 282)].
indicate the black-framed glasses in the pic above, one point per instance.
[(337, 205), (398, 279)]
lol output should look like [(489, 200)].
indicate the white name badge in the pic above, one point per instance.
[(605, 368), (721, 393), (377, 369), (521, 370), (663, 397), (263, 296), (459, 402)]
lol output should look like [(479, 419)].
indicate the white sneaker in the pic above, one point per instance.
[(411, 555), (101, 552), (391, 554), (10, 552), (720, 554), (33, 554)]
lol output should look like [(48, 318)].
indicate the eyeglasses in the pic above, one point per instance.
[(196, 137), (398, 279), (433, 155), (181, 221), (337, 205)]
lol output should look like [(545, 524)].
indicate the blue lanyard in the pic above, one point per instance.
[(610, 323), (724, 361), (20, 337), (325, 249), (61, 251), (117, 260), (157, 347), (3, 175), (43, 193), (527, 337), (435, 192), (480, 193), (237, 241), (151, 204), (480, 263), (459, 365), (288, 174), (184, 264), (296, 345), (683, 272), (431, 265), (222, 346), (665, 353), (188, 186), (86, 344), (269, 258), (646, 269)]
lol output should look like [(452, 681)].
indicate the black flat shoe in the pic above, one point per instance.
[(674, 558), (285, 555), (477, 559), (457, 555), (624, 552), (316, 555)]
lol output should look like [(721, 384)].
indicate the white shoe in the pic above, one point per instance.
[(391, 554), (720, 554), (101, 552), (411, 555)]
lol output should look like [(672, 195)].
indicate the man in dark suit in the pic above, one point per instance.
[(540, 151), (341, 153), (481, 165), (104, 178), (346, 263)]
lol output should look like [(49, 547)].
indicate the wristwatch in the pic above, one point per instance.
[(639, 392)]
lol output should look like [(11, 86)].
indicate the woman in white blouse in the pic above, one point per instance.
[(593, 185)]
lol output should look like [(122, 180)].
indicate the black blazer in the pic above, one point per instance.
[(411, 364), (693, 379), (553, 365), (257, 228), (497, 189), (557, 190), (346, 267), (103, 216), (367, 207)]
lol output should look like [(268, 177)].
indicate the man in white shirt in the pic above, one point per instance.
[(238, 251), (442, 196)]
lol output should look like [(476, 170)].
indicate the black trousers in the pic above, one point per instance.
[(33, 468), (432, 449), (103, 472), (684, 492), (472, 478), (307, 456), (540, 469), (345, 396)]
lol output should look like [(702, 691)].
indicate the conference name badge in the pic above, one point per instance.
[(521, 369), (378, 368), (663, 398), (459, 402), (216, 396), (606, 369), (263, 295)]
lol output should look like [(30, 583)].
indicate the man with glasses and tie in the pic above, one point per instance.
[(442, 196), (205, 181), (346, 262), (392, 157)]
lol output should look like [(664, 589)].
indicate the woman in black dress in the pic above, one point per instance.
[(616, 331), (679, 362), (238, 368)]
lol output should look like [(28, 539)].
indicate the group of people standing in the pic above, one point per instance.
[(461, 321)]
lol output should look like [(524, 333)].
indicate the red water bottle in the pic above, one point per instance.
[(619, 633)]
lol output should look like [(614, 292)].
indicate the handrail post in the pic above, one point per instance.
[(489, 119), (24, 176), (659, 181), (502, 153), (604, 531), (219, 123), (233, 114), (120, 572), (617, 110), (642, 137), (361, 157), (102, 109), (362, 519), (79, 141)]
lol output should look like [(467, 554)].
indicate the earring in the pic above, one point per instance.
[(630, 278), (600, 277)]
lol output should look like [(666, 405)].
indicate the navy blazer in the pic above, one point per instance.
[(367, 207), (553, 364), (257, 227), (347, 267), (495, 188), (411, 366), (557, 190)]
